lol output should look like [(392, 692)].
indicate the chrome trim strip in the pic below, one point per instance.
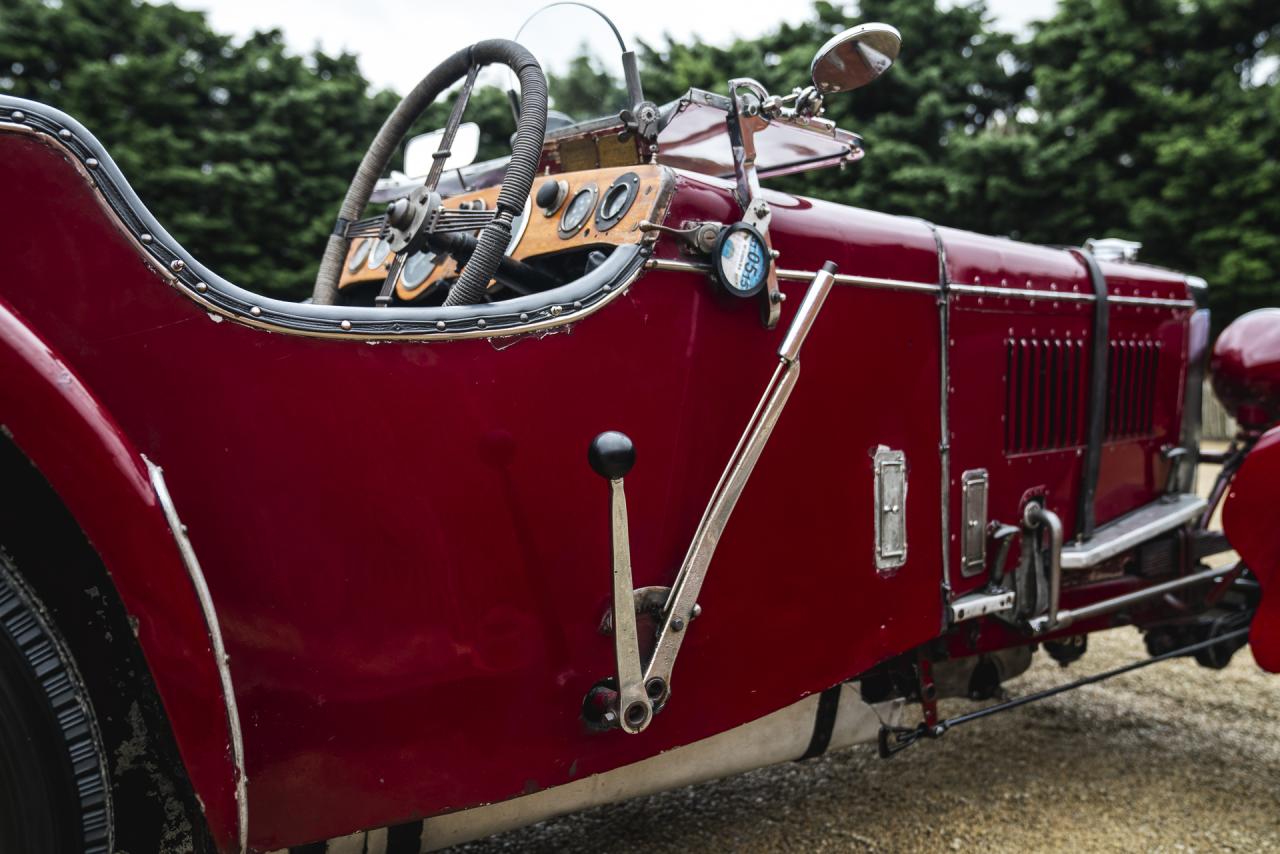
[(1152, 301), (673, 265), (220, 656), (867, 282), (1069, 296), (1106, 606), (1132, 530), (676, 265), (1022, 293)]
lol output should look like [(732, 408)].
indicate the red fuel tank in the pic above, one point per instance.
[(1246, 368)]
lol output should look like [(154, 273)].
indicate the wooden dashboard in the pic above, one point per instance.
[(593, 208)]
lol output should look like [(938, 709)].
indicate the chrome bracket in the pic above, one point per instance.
[(698, 238), (973, 519), (747, 117), (980, 604), (890, 491), (1037, 517)]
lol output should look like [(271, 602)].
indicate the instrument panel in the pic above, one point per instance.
[(565, 212)]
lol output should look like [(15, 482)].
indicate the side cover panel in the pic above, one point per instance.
[(1020, 373)]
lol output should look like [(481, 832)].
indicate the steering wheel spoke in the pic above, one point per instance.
[(373, 226), (446, 220), (388, 289)]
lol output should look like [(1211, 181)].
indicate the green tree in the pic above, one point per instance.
[(955, 79), (1156, 122), (242, 151)]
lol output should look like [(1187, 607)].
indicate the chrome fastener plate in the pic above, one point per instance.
[(973, 519), (890, 488)]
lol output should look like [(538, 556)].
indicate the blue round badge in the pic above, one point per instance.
[(741, 260)]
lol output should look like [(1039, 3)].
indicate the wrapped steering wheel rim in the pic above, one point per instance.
[(526, 151)]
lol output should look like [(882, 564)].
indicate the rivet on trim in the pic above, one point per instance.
[(201, 287), (145, 238), (64, 133), (177, 265), (255, 311), (92, 163), (480, 323), (346, 325), (556, 310), (440, 325), (17, 115), (524, 317), (577, 304)]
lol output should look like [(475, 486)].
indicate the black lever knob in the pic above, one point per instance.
[(550, 195), (611, 454)]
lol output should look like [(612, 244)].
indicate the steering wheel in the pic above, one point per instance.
[(411, 223)]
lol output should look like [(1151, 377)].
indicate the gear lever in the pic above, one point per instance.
[(611, 455)]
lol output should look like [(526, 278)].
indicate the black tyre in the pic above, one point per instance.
[(54, 794)]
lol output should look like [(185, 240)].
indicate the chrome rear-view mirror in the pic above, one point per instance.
[(855, 57), (421, 150)]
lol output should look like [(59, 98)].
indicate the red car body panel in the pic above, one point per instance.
[(1249, 519), (1246, 368), (79, 448), (409, 556)]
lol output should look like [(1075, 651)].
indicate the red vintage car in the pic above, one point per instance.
[(360, 574)]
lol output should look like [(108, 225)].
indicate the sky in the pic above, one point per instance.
[(399, 41)]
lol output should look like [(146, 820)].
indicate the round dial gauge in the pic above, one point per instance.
[(358, 257), (577, 211), (617, 200), (416, 269), (742, 260), (379, 253)]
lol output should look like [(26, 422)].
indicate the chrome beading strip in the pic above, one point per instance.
[(221, 659)]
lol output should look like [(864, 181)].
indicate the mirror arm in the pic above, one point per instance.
[(746, 116)]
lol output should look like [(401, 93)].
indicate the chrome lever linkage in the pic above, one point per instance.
[(640, 693)]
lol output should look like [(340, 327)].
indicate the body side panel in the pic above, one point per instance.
[(70, 437)]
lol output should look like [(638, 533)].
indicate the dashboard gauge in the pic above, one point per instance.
[(360, 255), (617, 200), (416, 269), (577, 211), (379, 253), (741, 260)]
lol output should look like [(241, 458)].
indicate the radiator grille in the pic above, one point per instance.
[(1131, 394), (1045, 392)]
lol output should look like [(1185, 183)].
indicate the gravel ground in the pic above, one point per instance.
[(1172, 758)]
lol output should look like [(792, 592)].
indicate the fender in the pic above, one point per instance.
[(112, 491), (1249, 519)]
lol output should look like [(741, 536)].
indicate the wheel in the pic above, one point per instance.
[(54, 793)]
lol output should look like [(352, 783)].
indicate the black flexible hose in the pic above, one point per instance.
[(526, 151), (525, 154)]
